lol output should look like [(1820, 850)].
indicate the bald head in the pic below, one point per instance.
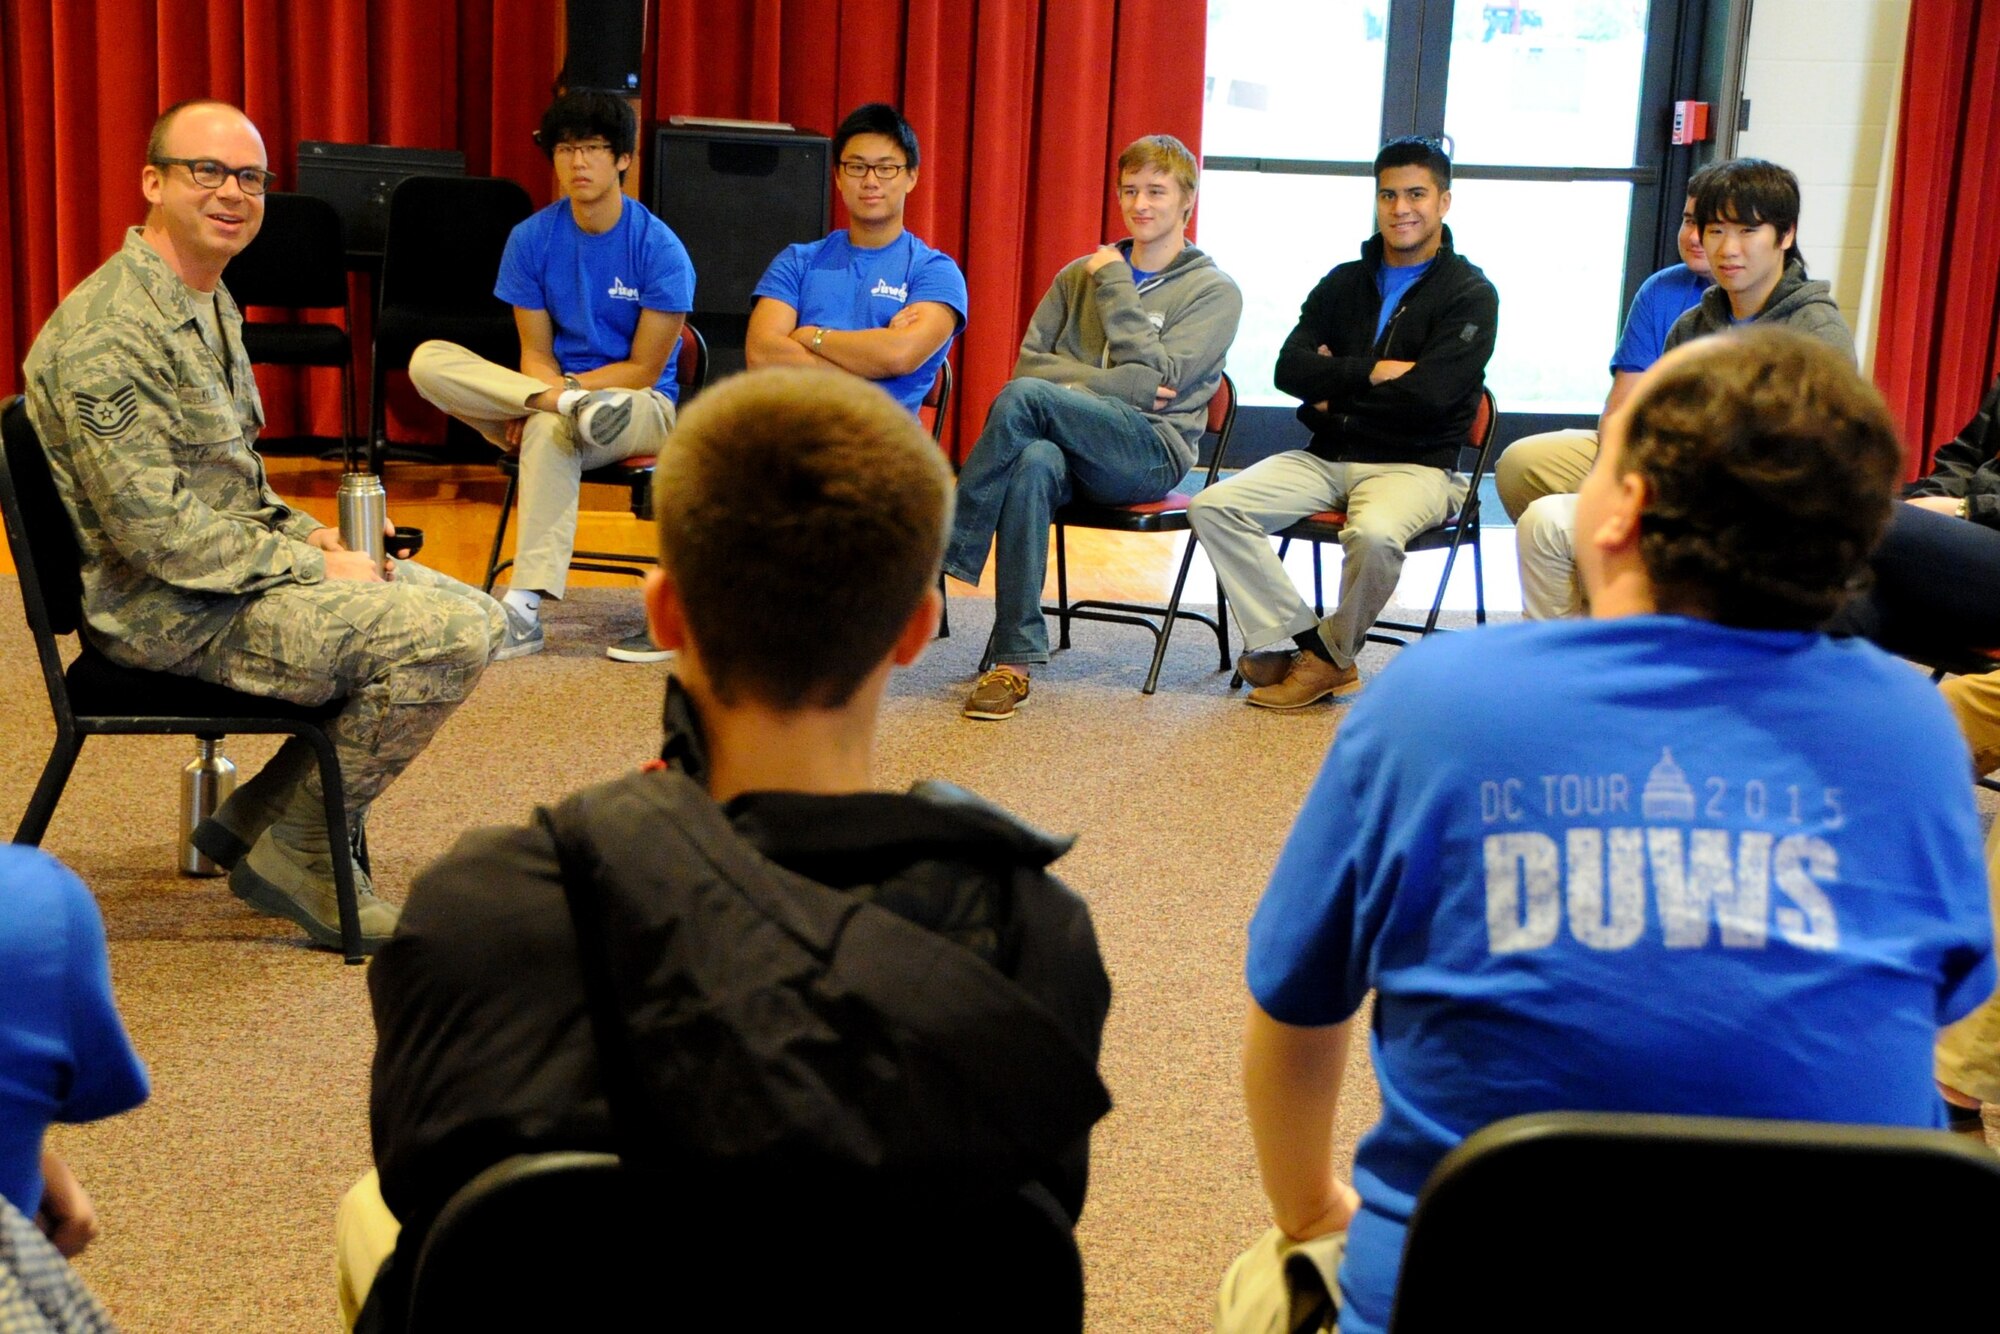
[(200, 215)]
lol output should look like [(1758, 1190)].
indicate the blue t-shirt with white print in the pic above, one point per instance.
[(1678, 868), (593, 287), (835, 284)]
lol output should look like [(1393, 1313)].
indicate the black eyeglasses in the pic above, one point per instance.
[(884, 171), (210, 174)]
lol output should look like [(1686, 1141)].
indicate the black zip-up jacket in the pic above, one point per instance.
[(1969, 467), (1445, 323)]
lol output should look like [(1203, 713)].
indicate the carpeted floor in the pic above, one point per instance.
[(217, 1197)]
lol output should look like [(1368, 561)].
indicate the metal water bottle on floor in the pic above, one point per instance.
[(206, 783), (364, 508)]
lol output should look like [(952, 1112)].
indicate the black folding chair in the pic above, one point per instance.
[(97, 697), (442, 253), (506, 1253), (297, 262), (635, 474), (937, 403), (1475, 456), (1574, 1221), (1166, 515)]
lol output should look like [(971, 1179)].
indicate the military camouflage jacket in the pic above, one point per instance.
[(149, 436)]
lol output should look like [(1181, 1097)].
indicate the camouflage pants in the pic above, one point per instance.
[(404, 654)]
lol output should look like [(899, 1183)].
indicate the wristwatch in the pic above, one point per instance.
[(571, 382), (1964, 509), (819, 336)]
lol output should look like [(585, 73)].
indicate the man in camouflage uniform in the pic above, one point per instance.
[(143, 394)]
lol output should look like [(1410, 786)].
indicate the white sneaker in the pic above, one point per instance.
[(637, 648), (602, 416), (524, 636)]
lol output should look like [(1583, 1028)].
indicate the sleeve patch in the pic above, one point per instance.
[(1468, 333), (109, 416)]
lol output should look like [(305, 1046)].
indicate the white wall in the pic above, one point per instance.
[(1823, 81)]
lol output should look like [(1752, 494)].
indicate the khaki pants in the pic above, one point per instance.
[(364, 1235), (1387, 504), (1968, 1053), (1552, 464), (487, 397)]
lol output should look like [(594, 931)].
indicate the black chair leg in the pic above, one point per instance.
[(1062, 584), (493, 566), (1221, 625), (55, 774), (944, 609), (1167, 621), (334, 793)]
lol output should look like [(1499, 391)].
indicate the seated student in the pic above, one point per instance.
[(1936, 590), (1748, 213), (873, 299), (600, 288), (1537, 476), (1968, 1053), (1108, 402), (1388, 358), (64, 1054), (1692, 815), (758, 823)]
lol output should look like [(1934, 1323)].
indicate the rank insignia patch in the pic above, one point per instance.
[(110, 415)]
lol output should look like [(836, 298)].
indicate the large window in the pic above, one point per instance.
[(1554, 110)]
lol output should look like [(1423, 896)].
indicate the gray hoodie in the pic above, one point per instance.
[(1796, 302), (1099, 332)]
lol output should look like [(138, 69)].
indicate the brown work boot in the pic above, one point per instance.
[(1266, 666), (288, 873), (996, 696), (1311, 680)]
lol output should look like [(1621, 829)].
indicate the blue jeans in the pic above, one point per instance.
[(1042, 446)]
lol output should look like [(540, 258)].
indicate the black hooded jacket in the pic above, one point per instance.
[(889, 983), (1445, 323)]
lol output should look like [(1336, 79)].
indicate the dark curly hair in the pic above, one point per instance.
[(1771, 466)]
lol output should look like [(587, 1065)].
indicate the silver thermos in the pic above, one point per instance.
[(205, 784), (364, 508)]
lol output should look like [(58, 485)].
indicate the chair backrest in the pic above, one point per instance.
[(297, 259), (42, 542), (937, 402), (691, 362), (507, 1251), (1221, 423), (1479, 439), (1574, 1221), (39, 532), (446, 235)]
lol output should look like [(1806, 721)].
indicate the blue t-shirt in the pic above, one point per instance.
[(64, 1055), (1392, 282), (1644, 864), (836, 284), (594, 287), (1661, 299)]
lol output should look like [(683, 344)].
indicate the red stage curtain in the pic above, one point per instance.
[(82, 81), (1020, 109), (1939, 347)]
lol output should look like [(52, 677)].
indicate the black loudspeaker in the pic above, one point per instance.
[(736, 198), (607, 42)]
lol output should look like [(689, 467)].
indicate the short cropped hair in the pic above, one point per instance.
[(1771, 468), (1164, 154), (1751, 192), (156, 142), (802, 514), (1415, 150), (584, 113), (878, 118)]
